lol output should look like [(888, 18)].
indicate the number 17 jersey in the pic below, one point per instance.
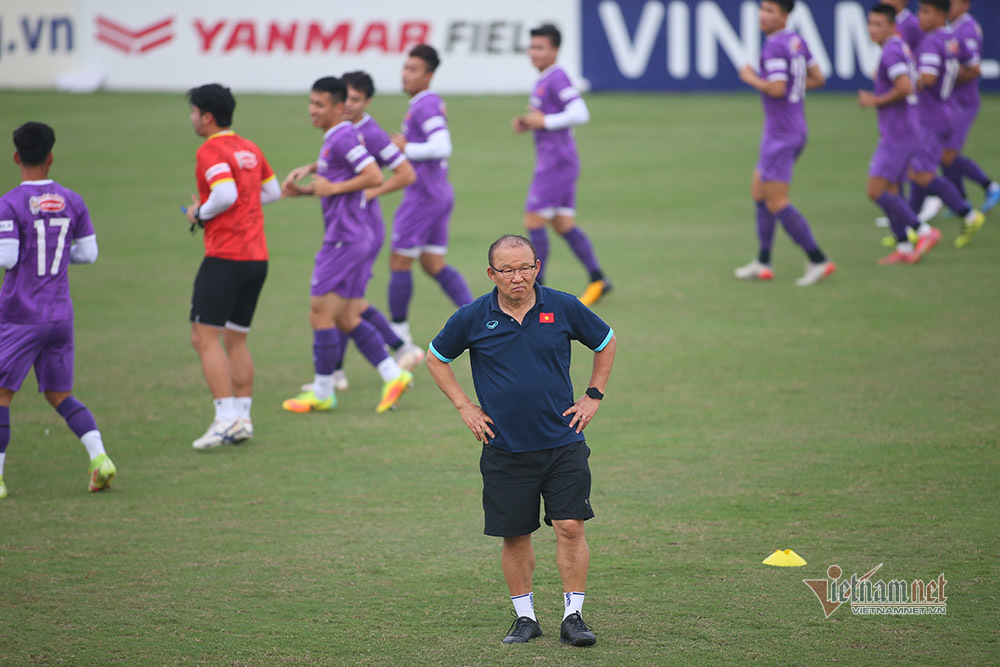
[(44, 218)]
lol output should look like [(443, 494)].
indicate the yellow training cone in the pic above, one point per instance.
[(786, 558)]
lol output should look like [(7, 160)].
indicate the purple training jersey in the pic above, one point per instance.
[(342, 157), (970, 39), (785, 57), (45, 219), (386, 155), (899, 121), (555, 149), (938, 54), (908, 27), (426, 116)]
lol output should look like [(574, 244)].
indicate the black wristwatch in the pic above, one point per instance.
[(594, 393)]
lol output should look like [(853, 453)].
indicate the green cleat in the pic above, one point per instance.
[(969, 229), (393, 390), (102, 471), (307, 402), (3, 489)]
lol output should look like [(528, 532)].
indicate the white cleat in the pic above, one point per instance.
[(340, 382), (816, 272), (754, 271), (409, 356), (931, 208), (216, 435), (402, 331), (241, 430)]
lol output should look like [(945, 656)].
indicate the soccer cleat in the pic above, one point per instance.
[(595, 292), (3, 489), (102, 471), (409, 356), (523, 629), (927, 242), (308, 402), (899, 257), (754, 271), (575, 632), (992, 198), (393, 390), (241, 430), (969, 229), (216, 435), (815, 272)]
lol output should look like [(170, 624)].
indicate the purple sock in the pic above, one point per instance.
[(949, 195), (953, 172), (765, 232), (917, 196), (584, 251), (400, 293), (540, 239), (369, 343), (4, 428), (972, 171), (338, 361), (325, 350), (77, 416), (375, 317), (454, 286), (900, 215), (797, 227)]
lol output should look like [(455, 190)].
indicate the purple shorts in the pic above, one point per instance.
[(553, 191), (421, 226), (930, 149), (891, 160), (342, 268), (965, 118), (47, 346), (778, 153)]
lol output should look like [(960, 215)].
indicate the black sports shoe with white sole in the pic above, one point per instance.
[(574, 631), (522, 630)]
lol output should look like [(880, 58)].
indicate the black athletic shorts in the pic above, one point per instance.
[(226, 292), (514, 484)]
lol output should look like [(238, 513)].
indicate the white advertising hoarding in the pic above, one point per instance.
[(275, 46)]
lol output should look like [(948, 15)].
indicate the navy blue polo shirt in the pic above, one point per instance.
[(521, 371)]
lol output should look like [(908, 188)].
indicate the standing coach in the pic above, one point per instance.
[(519, 338)]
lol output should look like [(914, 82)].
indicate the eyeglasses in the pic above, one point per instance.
[(508, 273)]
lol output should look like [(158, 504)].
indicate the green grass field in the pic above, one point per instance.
[(855, 422)]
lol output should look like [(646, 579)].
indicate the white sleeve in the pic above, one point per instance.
[(574, 114), (84, 250), (223, 196), (9, 250), (270, 191), (437, 147)]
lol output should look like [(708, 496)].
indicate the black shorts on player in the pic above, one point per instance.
[(226, 292), (514, 484)]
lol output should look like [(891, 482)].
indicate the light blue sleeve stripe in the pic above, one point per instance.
[(607, 339), (447, 360)]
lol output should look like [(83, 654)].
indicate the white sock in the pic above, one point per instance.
[(924, 229), (402, 330), (993, 187), (225, 410), (524, 605), (389, 369), (904, 247), (3, 455), (970, 217), (243, 406), (92, 441), (574, 603), (323, 386)]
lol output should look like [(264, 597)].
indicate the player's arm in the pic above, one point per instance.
[(475, 419), (929, 64), (902, 87), (270, 191), (814, 77), (584, 409), (10, 249), (369, 177), (403, 174), (289, 186), (775, 86), (437, 146), (573, 114), (83, 250)]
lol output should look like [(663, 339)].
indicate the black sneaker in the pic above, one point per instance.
[(574, 631), (522, 630)]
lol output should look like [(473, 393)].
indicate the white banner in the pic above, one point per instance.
[(274, 46)]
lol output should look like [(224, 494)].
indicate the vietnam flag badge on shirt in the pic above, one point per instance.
[(546, 318)]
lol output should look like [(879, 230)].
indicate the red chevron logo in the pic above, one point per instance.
[(138, 42)]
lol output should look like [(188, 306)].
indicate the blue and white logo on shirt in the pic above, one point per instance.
[(492, 324)]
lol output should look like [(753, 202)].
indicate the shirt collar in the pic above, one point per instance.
[(223, 133), (960, 20), (326, 135), (364, 119), (422, 93), (539, 298), (779, 33), (44, 181), (548, 70)]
